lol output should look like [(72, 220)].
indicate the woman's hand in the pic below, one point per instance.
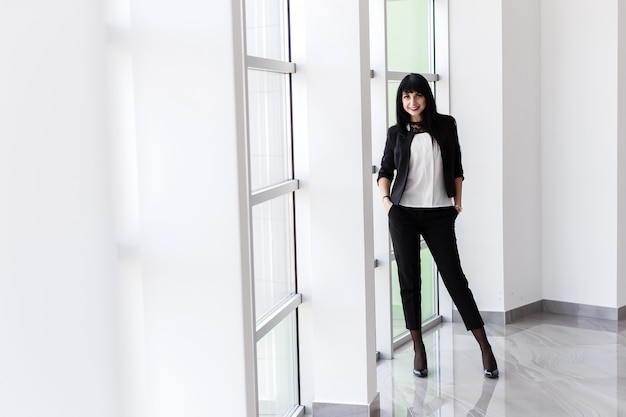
[(384, 186), (387, 203)]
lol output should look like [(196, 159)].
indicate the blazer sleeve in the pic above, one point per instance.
[(457, 164), (388, 163)]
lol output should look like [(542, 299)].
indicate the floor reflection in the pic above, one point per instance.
[(550, 365), (432, 406), (480, 408)]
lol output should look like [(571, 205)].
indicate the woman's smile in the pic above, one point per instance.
[(414, 104)]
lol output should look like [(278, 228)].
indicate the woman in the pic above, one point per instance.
[(423, 154)]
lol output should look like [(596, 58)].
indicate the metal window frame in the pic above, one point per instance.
[(267, 323), (272, 65), (398, 76), (273, 191)]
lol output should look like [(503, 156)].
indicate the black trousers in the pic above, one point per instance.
[(436, 225)]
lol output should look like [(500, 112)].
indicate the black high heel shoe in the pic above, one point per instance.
[(493, 373), (418, 345), (421, 373)]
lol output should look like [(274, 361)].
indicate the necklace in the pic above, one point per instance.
[(416, 127)]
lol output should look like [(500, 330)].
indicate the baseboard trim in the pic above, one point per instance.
[(347, 410), (550, 306)]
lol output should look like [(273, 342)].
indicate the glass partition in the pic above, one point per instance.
[(277, 369), (267, 28), (410, 43), (273, 249), (269, 127)]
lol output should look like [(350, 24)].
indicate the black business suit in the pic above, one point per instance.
[(435, 225), (398, 151)]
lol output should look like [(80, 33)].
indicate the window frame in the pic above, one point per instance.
[(287, 307)]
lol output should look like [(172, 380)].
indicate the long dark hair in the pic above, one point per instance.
[(416, 83)]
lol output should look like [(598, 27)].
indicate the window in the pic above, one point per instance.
[(272, 205), (410, 36)]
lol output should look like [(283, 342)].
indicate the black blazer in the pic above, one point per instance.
[(395, 161)]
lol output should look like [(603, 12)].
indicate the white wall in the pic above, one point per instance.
[(476, 103), (58, 290), (521, 104), (579, 145), (539, 133), (332, 135), (62, 287)]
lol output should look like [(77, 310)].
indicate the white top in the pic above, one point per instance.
[(425, 186)]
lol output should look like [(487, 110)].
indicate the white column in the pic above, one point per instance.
[(379, 123), (521, 153), (189, 74), (334, 161), (621, 154), (58, 293)]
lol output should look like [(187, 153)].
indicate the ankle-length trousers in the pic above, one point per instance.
[(436, 225)]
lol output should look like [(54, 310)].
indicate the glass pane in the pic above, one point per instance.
[(266, 25), (392, 90), (269, 121), (429, 295), (273, 252), (276, 364), (409, 36)]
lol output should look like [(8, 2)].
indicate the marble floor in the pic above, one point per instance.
[(550, 365)]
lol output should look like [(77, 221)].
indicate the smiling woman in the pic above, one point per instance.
[(422, 158)]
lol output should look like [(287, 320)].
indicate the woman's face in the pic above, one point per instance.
[(414, 104)]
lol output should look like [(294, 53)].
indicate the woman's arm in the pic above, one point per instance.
[(384, 186), (458, 197), (387, 169), (458, 167)]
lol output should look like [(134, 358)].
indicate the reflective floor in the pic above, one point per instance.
[(550, 365)]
